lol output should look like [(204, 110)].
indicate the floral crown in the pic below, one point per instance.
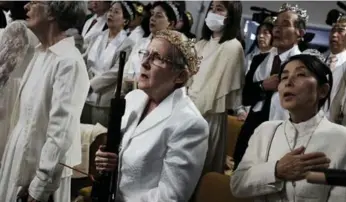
[(185, 46), (269, 19), (302, 13), (127, 7), (175, 10), (316, 53), (139, 8), (189, 17)]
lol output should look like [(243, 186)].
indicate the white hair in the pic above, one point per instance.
[(68, 14)]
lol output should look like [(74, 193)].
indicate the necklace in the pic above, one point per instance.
[(292, 148)]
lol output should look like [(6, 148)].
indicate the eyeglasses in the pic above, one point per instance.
[(154, 58)]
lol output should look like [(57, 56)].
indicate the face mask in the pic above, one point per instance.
[(214, 21)]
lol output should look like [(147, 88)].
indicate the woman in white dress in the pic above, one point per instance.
[(17, 49), (217, 87), (102, 59), (164, 15), (46, 115), (281, 153), (165, 137)]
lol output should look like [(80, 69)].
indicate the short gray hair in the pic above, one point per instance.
[(68, 14)]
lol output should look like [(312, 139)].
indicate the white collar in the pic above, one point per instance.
[(99, 18), (341, 57), (60, 47), (309, 125), (285, 55)]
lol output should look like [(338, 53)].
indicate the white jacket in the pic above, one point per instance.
[(163, 156)]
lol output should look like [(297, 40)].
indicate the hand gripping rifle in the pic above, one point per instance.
[(104, 187)]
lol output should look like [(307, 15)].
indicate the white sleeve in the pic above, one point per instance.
[(69, 91), (254, 176)]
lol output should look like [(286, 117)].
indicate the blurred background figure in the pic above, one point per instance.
[(97, 23), (263, 41), (102, 59), (217, 86), (136, 29), (164, 15), (16, 49)]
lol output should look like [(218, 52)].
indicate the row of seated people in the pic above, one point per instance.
[(285, 49), (210, 93), (65, 83)]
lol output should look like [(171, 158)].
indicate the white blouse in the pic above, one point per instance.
[(255, 176)]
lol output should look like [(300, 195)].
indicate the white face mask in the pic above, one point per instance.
[(214, 21)]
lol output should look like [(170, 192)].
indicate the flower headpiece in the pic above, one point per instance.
[(139, 8), (185, 46), (316, 53), (127, 7), (302, 13), (189, 17), (175, 10), (269, 19)]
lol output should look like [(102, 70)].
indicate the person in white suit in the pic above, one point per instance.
[(102, 60), (45, 122), (281, 153), (165, 138), (97, 23)]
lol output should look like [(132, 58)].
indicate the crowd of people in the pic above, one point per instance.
[(59, 64)]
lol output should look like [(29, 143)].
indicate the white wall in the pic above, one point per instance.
[(317, 10)]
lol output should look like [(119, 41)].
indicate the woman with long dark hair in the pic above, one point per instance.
[(217, 87)]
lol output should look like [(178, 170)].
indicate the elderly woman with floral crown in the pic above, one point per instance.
[(165, 138), (45, 123), (281, 153)]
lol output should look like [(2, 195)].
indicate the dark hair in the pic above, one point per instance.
[(319, 69), (137, 4), (268, 26), (126, 14), (232, 26), (146, 20), (168, 10), (185, 29)]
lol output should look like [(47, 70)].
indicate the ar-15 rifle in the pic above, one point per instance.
[(104, 187)]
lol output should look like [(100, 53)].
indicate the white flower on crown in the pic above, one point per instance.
[(175, 10), (302, 13)]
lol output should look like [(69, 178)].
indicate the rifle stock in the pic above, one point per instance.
[(104, 187)]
